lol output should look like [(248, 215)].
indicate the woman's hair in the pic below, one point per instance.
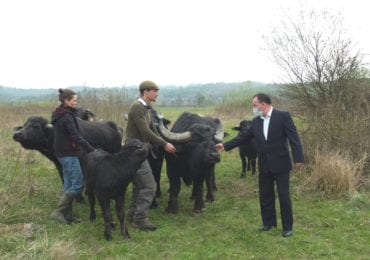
[(66, 94)]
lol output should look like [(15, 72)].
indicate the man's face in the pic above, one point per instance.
[(257, 104), (151, 95)]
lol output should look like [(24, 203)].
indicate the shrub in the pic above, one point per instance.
[(335, 130)]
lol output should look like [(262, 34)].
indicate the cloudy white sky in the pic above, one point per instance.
[(49, 43)]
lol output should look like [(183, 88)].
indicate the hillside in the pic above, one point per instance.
[(196, 94)]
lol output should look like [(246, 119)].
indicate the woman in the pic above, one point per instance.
[(67, 146)]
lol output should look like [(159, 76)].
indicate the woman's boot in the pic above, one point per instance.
[(63, 206)]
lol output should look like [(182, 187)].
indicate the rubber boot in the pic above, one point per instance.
[(68, 214), (143, 223), (63, 205)]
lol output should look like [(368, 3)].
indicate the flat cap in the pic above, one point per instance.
[(147, 84)]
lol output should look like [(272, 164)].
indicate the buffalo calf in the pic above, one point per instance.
[(107, 177), (247, 151)]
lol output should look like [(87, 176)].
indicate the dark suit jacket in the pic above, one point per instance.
[(273, 154)]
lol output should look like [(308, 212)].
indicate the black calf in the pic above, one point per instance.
[(247, 151), (107, 177)]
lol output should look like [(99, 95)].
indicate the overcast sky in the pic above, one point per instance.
[(47, 43)]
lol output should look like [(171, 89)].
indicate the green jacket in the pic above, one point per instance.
[(140, 126)]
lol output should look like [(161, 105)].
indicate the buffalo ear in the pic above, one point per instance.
[(17, 128)]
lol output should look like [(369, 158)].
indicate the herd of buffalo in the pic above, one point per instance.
[(109, 170)]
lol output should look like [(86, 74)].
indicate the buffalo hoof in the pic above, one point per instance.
[(173, 206), (92, 217), (126, 236), (108, 237), (197, 211), (253, 172), (171, 210), (242, 175), (210, 199), (158, 194)]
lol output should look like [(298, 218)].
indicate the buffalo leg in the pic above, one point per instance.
[(91, 196), (198, 195), (174, 190), (249, 164), (210, 195), (121, 216), (244, 165), (253, 163), (105, 206)]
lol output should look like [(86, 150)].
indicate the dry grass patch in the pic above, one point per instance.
[(334, 173), (63, 250)]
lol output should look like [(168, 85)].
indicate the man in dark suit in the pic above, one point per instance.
[(271, 130)]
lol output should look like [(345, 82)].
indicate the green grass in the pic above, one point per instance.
[(227, 229)]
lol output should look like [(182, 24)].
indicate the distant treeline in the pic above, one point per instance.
[(190, 95)]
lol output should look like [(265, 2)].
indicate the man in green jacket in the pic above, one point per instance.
[(140, 126)]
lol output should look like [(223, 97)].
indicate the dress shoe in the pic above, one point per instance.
[(287, 233), (265, 228)]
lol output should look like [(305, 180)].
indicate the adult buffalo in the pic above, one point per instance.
[(195, 138), (37, 134), (85, 114), (247, 152)]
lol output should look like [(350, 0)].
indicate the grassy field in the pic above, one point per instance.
[(30, 186)]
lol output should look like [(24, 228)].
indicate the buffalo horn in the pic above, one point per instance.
[(219, 133), (173, 137)]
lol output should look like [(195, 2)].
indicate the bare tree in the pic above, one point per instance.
[(319, 60)]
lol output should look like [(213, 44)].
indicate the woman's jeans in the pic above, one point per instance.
[(72, 175)]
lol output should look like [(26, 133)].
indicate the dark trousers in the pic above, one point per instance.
[(267, 199)]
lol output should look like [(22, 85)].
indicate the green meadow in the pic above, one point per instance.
[(335, 228)]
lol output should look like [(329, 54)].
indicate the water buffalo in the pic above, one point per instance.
[(107, 177), (37, 134), (195, 138), (85, 114), (247, 151)]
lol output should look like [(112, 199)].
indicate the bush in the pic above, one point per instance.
[(335, 130)]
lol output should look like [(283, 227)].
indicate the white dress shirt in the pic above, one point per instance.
[(266, 123)]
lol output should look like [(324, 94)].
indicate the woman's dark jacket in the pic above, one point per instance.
[(67, 138)]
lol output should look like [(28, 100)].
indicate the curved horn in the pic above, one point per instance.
[(173, 137), (219, 133), (49, 126)]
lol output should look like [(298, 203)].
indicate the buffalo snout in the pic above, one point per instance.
[(215, 156), (18, 136)]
